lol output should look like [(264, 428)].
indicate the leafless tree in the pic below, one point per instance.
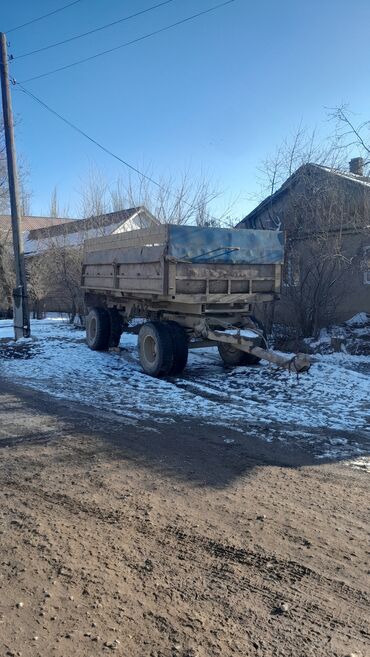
[(6, 263), (352, 134), (55, 210), (39, 273), (56, 270), (177, 200), (7, 278), (182, 199), (320, 213), (55, 275), (94, 192), (4, 192)]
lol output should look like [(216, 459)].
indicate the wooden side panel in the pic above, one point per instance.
[(144, 237), (215, 279), (129, 277), (136, 263), (215, 271), (133, 255)]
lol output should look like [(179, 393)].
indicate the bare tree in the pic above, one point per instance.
[(7, 277), (94, 194), (40, 273), (351, 134), (54, 204), (4, 191), (324, 216), (55, 272), (175, 199)]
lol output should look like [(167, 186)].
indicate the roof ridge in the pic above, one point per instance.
[(104, 219)]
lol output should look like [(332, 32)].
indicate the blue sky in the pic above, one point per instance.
[(216, 95)]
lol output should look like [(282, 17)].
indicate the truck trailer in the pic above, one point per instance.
[(191, 287)]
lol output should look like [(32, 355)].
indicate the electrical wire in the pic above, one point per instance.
[(128, 43), (97, 29), (94, 141), (84, 134), (51, 13)]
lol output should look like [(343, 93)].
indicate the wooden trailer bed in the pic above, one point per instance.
[(186, 265), (195, 286)]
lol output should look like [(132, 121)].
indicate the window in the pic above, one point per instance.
[(367, 265)]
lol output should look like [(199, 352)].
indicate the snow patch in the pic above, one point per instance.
[(360, 319), (333, 397)]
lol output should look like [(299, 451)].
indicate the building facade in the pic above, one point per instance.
[(325, 214)]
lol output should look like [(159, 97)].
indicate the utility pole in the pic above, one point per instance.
[(20, 300)]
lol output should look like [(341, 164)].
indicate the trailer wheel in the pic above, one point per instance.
[(156, 348), (250, 359), (180, 347), (98, 329), (116, 327), (232, 356)]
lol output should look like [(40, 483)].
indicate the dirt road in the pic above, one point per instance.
[(185, 540)]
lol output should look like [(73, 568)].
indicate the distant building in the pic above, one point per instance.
[(326, 216), (54, 257), (72, 233), (43, 234), (28, 223)]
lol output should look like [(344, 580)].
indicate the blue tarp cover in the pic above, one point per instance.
[(226, 245)]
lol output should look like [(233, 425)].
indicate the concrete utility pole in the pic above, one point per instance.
[(20, 300)]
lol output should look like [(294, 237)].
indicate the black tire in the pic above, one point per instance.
[(116, 327), (156, 348), (98, 329), (180, 347), (234, 357)]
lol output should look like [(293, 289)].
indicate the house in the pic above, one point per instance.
[(54, 256), (74, 233), (325, 214), (28, 223)]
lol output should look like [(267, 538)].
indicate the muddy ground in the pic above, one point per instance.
[(187, 540)]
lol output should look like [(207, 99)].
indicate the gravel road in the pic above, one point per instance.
[(180, 540)]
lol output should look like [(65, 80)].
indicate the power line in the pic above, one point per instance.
[(81, 132), (97, 29), (103, 148), (51, 13), (129, 43)]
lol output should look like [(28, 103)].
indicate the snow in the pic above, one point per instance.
[(362, 180), (327, 410), (244, 333), (360, 319), (362, 463), (6, 329)]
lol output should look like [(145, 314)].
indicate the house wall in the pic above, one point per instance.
[(323, 204), (357, 291), (349, 295)]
